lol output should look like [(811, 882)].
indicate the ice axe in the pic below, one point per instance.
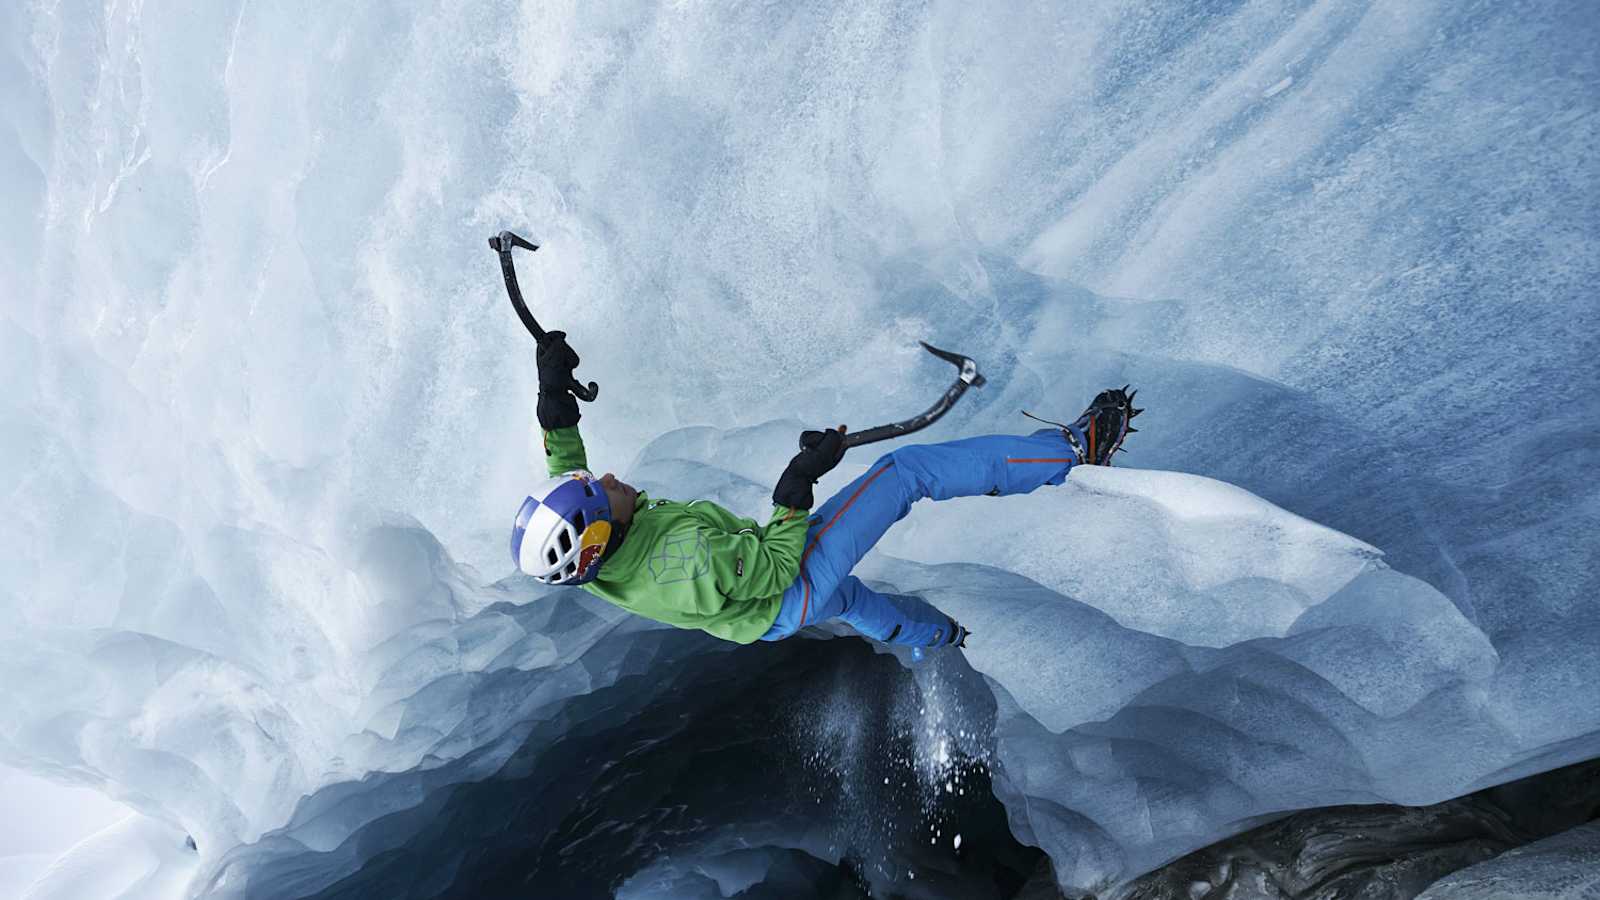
[(969, 377), (502, 244)]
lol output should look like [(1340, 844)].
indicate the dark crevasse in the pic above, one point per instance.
[(804, 768)]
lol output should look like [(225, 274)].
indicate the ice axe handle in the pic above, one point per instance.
[(502, 244), (969, 377)]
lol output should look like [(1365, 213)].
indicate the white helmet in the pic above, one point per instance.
[(562, 529)]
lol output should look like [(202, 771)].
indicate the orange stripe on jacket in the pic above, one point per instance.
[(805, 605)]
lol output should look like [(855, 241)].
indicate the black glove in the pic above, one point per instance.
[(556, 359), (821, 451)]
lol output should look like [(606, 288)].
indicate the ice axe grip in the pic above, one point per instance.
[(968, 377), (502, 244)]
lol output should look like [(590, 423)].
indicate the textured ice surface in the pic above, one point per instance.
[(1160, 552), (263, 393), (1564, 867)]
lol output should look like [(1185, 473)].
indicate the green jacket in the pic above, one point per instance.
[(694, 565)]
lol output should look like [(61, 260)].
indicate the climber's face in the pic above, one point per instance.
[(621, 496)]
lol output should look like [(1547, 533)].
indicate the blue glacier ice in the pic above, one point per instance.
[(268, 414)]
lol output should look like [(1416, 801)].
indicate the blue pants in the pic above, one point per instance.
[(847, 526)]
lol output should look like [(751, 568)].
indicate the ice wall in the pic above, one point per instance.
[(263, 383)]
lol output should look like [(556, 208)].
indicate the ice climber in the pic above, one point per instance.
[(696, 565)]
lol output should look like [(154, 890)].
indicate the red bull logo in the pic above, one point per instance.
[(591, 544)]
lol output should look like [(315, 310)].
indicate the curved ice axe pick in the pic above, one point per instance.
[(969, 377), (502, 244)]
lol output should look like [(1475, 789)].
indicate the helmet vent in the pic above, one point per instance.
[(588, 489), (551, 554), (577, 521), (566, 541)]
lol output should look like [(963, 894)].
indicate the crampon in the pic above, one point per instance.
[(1097, 435)]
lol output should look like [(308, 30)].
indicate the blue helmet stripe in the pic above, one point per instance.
[(520, 527)]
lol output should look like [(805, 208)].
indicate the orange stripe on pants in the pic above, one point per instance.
[(805, 604)]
